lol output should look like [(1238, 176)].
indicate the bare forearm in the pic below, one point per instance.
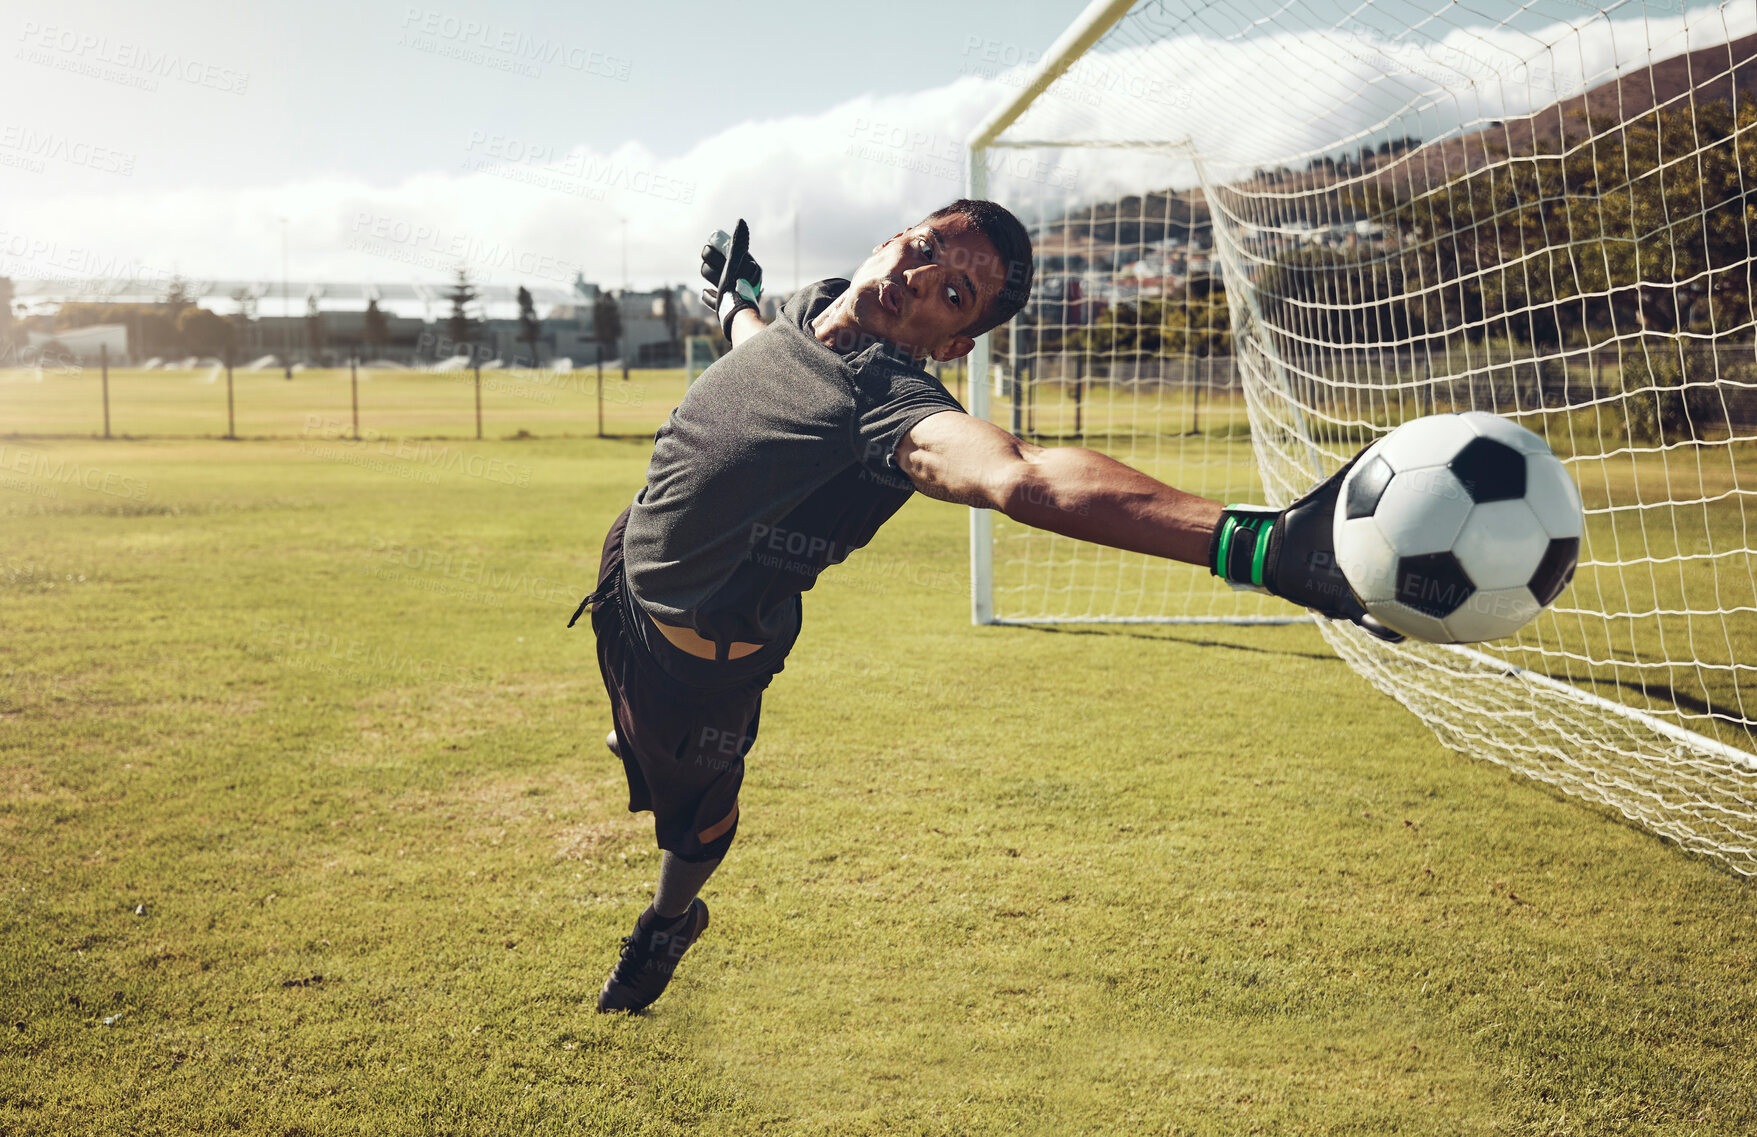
[(746, 324), (1086, 495)]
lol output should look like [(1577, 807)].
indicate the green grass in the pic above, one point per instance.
[(192, 404), (1662, 617), (271, 714), (177, 403)]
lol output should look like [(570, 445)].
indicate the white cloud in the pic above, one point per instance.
[(855, 172), (1281, 97)]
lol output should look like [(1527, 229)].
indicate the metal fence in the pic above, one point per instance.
[(1704, 386), (354, 401)]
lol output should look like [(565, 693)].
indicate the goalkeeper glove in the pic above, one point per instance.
[(736, 278), (1291, 553)]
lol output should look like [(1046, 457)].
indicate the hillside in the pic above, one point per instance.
[(1721, 72), (1724, 71)]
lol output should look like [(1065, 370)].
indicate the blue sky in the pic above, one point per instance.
[(317, 111), (528, 142), (362, 89)]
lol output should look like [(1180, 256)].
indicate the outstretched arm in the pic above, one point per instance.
[(1288, 553), (745, 323), (1064, 489)]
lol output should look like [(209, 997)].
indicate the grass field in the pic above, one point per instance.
[(192, 404), (306, 828), (1662, 614), (391, 403)]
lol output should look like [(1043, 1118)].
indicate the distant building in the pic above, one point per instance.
[(650, 326), (276, 318), (86, 345)]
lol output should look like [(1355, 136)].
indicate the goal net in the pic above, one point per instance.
[(1267, 233)]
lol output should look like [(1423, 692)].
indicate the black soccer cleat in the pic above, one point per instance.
[(649, 958)]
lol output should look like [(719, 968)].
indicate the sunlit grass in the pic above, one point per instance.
[(390, 403), (305, 827)]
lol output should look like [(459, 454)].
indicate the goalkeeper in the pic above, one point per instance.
[(785, 457)]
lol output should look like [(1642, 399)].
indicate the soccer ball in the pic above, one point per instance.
[(1458, 528)]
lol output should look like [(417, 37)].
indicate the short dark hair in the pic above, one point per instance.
[(1013, 243)]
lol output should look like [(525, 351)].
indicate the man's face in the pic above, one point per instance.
[(924, 286)]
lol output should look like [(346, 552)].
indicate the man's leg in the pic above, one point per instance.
[(694, 797), (661, 935), (682, 733), (679, 882)]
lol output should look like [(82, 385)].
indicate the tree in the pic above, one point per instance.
[(316, 335), (376, 332), (206, 333), (5, 319), (151, 331), (57, 355), (1645, 227), (1629, 227), (178, 299), (242, 314), (529, 325), (460, 326), (607, 326), (177, 296), (668, 310), (1336, 296), (1194, 321)]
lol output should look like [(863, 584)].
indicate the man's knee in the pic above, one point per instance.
[(724, 828)]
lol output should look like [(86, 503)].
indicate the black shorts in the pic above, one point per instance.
[(683, 724)]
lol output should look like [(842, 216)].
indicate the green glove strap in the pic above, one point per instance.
[(1240, 551)]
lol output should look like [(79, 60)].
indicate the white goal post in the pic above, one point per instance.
[(1267, 234), (698, 356)]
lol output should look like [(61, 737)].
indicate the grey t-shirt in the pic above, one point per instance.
[(779, 462)]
